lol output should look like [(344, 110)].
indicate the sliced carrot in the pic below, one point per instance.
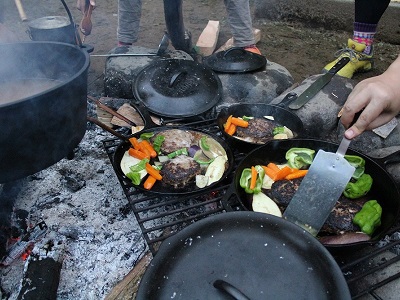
[(231, 130), (134, 142), (270, 172), (138, 154), (273, 166), (296, 174), (143, 149), (282, 173), (153, 172), (253, 179), (228, 122), (150, 148), (239, 122), (149, 182)]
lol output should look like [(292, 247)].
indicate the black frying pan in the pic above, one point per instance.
[(279, 111), (158, 187), (384, 189), (246, 255)]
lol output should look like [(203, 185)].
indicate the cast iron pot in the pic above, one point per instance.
[(52, 28), (158, 188), (279, 111), (242, 255), (384, 189), (40, 129)]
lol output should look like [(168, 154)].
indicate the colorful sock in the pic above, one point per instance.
[(364, 33)]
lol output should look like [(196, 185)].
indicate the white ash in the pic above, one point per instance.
[(81, 199)]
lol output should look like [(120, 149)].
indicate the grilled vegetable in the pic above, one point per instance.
[(299, 158), (263, 203), (178, 152), (216, 169), (358, 188), (357, 162), (245, 179), (369, 217)]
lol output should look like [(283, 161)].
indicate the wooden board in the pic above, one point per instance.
[(208, 38)]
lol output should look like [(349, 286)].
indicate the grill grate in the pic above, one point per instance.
[(367, 271)]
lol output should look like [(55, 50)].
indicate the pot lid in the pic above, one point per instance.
[(177, 88), (263, 256), (235, 60), (49, 22)]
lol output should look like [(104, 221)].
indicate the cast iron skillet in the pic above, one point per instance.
[(279, 111), (158, 188), (261, 256), (384, 189), (177, 88)]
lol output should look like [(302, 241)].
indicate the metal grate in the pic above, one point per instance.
[(367, 271)]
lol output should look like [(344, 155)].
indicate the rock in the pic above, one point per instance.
[(252, 87), (319, 114)]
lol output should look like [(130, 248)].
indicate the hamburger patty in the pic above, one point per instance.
[(259, 129), (175, 139), (339, 220), (180, 171)]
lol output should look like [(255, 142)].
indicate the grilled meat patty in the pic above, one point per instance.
[(282, 191), (175, 139), (180, 171), (339, 220), (259, 130)]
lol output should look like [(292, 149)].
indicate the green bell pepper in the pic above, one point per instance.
[(158, 142), (134, 175), (277, 130), (369, 217), (358, 163), (245, 180), (299, 158), (359, 188)]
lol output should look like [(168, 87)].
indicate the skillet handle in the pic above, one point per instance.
[(287, 100), (230, 289), (225, 199), (144, 114), (389, 159)]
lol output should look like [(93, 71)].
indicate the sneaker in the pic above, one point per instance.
[(252, 49), (359, 61), (123, 44)]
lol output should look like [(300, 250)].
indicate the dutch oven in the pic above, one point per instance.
[(281, 114), (242, 255), (235, 60), (177, 88), (384, 188), (52, 28), (43, 87)]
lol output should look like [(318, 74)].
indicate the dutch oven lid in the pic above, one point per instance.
[(177, 88), (235, 60), (263, 256), (49, 22)]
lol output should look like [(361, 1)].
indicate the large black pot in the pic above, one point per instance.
[(42, 127)]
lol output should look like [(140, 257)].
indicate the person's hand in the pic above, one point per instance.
[(377, 97), (83, 4)]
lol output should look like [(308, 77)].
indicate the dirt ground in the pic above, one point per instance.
[(303, 51)]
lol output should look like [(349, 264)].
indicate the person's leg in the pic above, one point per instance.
[(359, 48), (129, 13), (239, 18)]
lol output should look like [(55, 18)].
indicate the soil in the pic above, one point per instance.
[(302, 50)]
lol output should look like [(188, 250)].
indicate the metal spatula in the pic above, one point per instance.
[(325, 181)]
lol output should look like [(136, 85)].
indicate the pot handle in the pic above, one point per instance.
[(230, 50), (230, 289), (144, 114), (287, 100), (175, 77)]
